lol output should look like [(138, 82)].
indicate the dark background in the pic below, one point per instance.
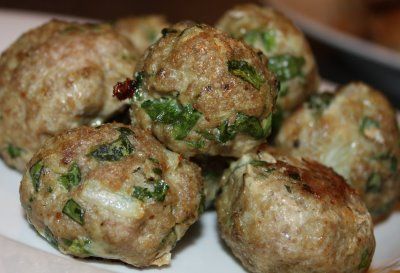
[(332, 64)]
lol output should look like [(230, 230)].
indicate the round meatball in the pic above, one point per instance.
[(288, 52), (282, 214), (202, 92), (142, 31), (55, 77), (355, 132), (113, 192)]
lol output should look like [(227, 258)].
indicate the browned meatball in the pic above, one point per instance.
[(202, 92), (113, 192), (142, 31), (289, 54), (282, 214), (55, 77), (355, 132)]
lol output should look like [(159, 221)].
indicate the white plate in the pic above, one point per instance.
[(201, 250)]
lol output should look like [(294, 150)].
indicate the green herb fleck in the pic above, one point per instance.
[(154, 160), (74, 211), (365, 260), (286, 67), (48, 235), (267, 38), (245, 71), (78, 247), (366, 124), (244, 124), (391, 159), (168, 111), (319, 102), (198, 144), (158, 193), (14, 151), (115, 150), (157, 171), (49, 189), (36, 172), (71, 178), (374, 183), (138, 96), (258, 163)]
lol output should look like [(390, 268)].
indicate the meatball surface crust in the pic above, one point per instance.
[(56, 77), (281, 214), (142, 31), (355, 132), (202, 92), (289, 54), (113, 192)]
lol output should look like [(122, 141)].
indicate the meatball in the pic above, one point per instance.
[(354, 132), (142, 31), (288, 52), (282, 214), (55, 77), (113, 192), (202, 92)]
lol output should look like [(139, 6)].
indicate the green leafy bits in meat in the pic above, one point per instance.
[(78, 247), (115, 150), (286, 67), (72, 178), (267, 38), (374, 183), (319, 102), (365, 260), (14, 151), (158, 193), (245, 71), (48, 235), (74, 211), (35, 173), (244, 124), (367, 125), (168, 111)]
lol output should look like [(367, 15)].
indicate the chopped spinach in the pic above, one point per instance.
[(258, 163), (374, 183), (14, 151), (197, 144), (36, 172), (244, 124), (157, 171), (245, 71), (74, 211), (368, 123), (168, 111), (49, 236), (115, 150), (158, 193), (79, 246), (319, 102), (267, 38), (286, 67), (72, 177)]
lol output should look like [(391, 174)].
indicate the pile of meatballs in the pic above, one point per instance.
[(126, 132)]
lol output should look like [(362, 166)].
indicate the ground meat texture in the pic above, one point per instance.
[(202, 92), (354, 132), (112, 192), (282, 214), (289, 54), (142, 31), (55, 77)]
